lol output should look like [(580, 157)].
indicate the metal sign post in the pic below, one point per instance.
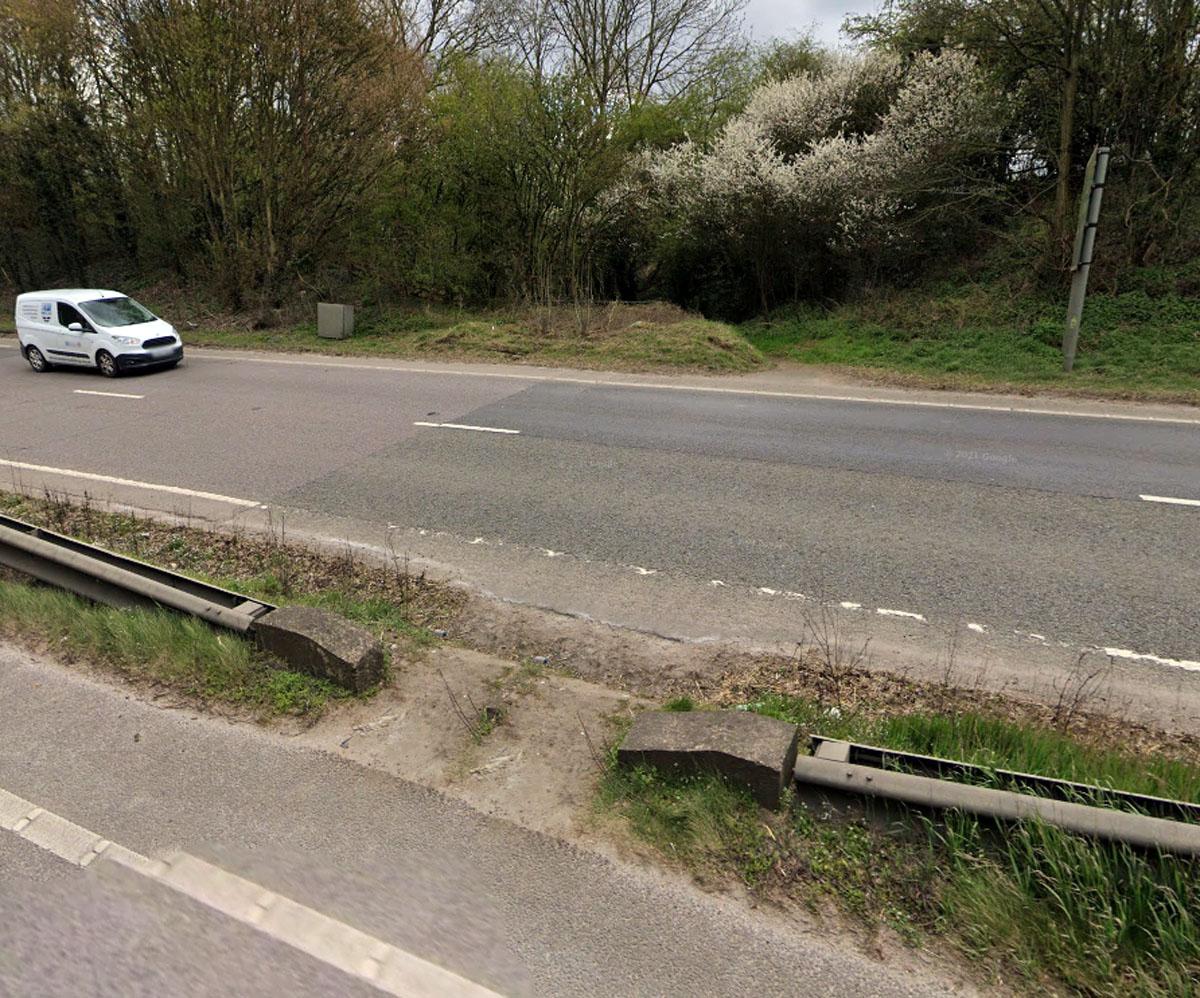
[(1085, 241)]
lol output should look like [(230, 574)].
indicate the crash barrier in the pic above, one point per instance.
[(762, 757), (309, 640)]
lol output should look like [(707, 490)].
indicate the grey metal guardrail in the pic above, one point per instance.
[(847, 768), (117, 580)]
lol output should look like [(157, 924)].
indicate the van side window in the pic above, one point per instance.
[(68, 314)]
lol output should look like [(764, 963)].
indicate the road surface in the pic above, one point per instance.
[(472, 899), (700, 508)]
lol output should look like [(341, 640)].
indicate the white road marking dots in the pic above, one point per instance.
[(709, 389), (111, 395), (884, 612), (350, 950), (130, 483), (1174, 663), (1171, 500), (467, 426)]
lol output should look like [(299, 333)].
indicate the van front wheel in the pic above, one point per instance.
[(107, 364), (36, 359)]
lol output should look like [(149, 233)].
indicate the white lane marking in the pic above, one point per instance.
[(847, 605), (1175, 663), (354, 952), (467, 426), (644, 571), (110, 395), (551, 553), (716, 582), (129, 482), (710, 389), (884, 612), (768, 592), (977, 628), (1171, 500)]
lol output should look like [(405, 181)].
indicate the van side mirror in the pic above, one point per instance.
[(76, 327)]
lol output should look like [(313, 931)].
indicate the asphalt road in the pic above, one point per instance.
[(1011, 521), (508, 909)]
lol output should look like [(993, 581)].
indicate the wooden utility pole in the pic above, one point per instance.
[(1085, 240)]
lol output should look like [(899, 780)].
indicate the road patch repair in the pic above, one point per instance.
[(760, 754), (310, 640)]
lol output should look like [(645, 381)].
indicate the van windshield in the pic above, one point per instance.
[(116, 312)]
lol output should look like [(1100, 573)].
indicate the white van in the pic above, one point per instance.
[(92, 328)]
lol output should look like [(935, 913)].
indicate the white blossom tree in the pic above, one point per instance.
[(850, 159)]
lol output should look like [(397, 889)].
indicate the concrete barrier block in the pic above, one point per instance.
[(322, 644), (749, 749), (334, 322)]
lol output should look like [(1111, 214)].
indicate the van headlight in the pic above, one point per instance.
[(128, 341)]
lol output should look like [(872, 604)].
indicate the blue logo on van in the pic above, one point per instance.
[(47, 311)]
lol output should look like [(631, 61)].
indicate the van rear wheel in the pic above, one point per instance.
[(107, 364), (36, 359)]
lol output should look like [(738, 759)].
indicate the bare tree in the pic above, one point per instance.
[(626, 51)]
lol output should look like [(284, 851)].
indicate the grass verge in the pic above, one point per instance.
[(613, 336), (187, 655), (967, 336), (1029, 904)]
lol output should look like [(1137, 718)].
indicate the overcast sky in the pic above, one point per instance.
[(767, 18)]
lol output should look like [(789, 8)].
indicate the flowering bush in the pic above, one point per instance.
[(852, 159)]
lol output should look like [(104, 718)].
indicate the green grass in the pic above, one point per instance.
[(158, 646), (1028, 904), (666, 340), (967, 336)]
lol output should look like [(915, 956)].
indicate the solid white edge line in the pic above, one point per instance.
[(466, 426), (130, 483), (1171, 500), (109, 395), (710, 389)]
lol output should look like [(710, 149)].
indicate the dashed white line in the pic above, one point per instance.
[(644, 571), (468, 426), (551, 553), (885, 612), (1171, 500), (1175, 663), (977, 628), (768, 592), (847, 605), (717, 582), (129, 483), (110, 395)]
